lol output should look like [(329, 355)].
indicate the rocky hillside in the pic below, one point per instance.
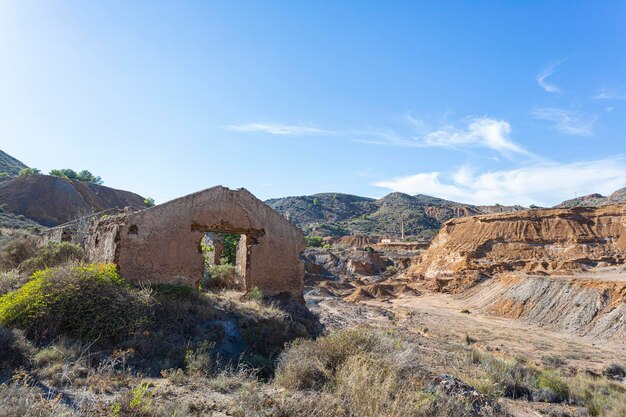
[(538, 241), (561, 269), (595, 200), (50, 200), (334, 214), (9, 165)]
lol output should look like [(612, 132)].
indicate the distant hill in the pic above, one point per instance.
[(335, 214), (51, 201), (595, 200), (9, 165)]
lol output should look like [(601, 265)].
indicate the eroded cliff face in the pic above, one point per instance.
[(591, 305), (563, 269), (538, 241)]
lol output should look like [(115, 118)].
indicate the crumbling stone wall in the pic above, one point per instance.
[(162, 244)]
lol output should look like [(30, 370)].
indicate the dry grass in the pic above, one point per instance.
[(355, 372), (601, 397), (513, 379), (20, 248), (20, 398), (11, 280)]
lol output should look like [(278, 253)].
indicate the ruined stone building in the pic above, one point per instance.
[(162, 244)]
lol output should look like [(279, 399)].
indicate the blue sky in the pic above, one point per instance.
[(479, 102)]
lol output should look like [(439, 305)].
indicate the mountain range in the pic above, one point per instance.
[(49, 201), (596, 200), (335, 214)]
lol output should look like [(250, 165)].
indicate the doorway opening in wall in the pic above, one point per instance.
[(225, 260)]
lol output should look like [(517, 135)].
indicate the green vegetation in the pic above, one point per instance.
[(16, 221), (21, 252), (138, 402), (28, 171), (229, 251), (314, 241), (83, 175), (149, 201), (219, 277), (85, 302), (255, 294), (19, 249), (516, 380), (51, 255), (9, 165)]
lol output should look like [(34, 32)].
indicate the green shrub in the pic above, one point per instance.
[(221, 277), (312, 364), (513, 379), (28, 171), (51, 255), (88, 302), (138, 402), (199, 361), (314, 241), (17, 250), (553, 388), (255, 294)]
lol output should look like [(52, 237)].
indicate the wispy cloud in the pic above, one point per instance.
[(566, 121), (542, 78), (543, 184), (477, 132), (279, 129), (606, 94)]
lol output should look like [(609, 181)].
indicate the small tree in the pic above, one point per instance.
[(229, 250), (70, 174), (28, 171), (149, 201), (87, 176)]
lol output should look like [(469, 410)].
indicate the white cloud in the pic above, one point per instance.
[(484, 132), (606, 94), (479, 132), (542, 184), (542, 78), (279, 129), (566, 121)]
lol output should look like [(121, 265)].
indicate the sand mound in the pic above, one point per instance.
[(360, 294)]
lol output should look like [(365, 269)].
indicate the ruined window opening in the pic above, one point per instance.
[(225, 259)]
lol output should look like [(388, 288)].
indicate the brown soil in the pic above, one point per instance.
[(51, 201)]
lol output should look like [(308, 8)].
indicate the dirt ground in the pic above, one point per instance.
[(441, 327), (441, 317)]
